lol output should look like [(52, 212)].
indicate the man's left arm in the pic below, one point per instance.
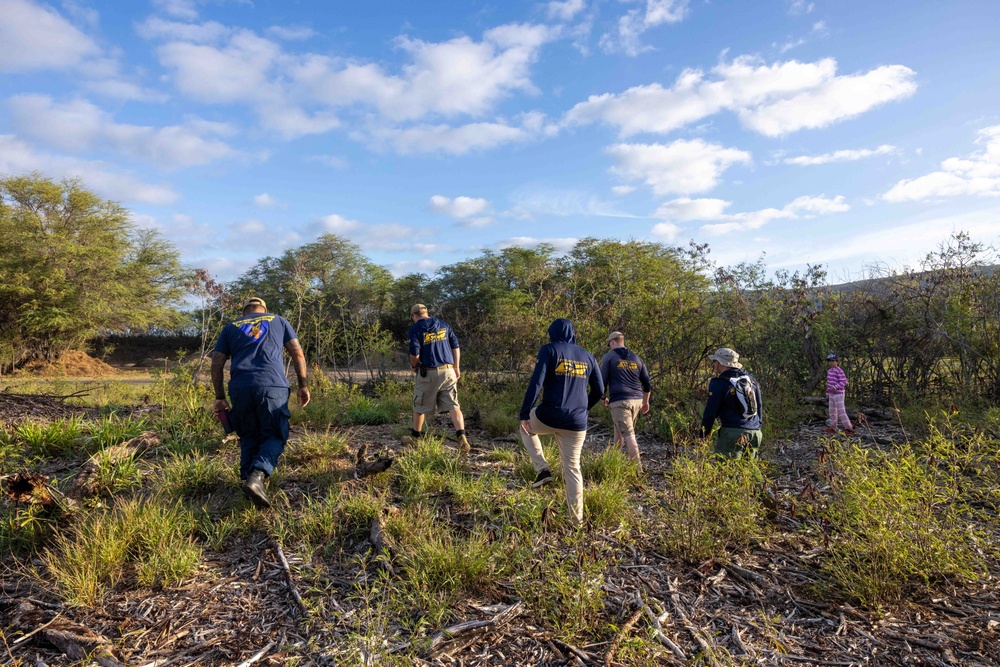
[(457, 353), (647, 387), (715, 392), (299, 364), (596, 384)]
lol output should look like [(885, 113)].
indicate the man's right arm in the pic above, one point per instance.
[(218, 371), (711, 408)]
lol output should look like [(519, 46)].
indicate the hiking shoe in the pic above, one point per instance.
[(830, 430), (849, 431), (253, 489), (543, 478), (463, 445)]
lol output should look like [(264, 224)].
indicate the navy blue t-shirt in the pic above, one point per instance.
[(254, 343), (724, 404), (563, 373), (432, 340), (625, 376)]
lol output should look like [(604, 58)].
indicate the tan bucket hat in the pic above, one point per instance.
[(726, 357)]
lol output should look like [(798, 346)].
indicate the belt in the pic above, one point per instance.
[(439, 368)]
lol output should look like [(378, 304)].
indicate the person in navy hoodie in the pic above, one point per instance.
[(563, 373), (733, 397), (626, 381)]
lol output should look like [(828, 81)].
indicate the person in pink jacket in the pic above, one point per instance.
[(836, 385)]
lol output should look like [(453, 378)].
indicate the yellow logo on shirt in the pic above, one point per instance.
[(628, 365), (435, 336), (570, 368)]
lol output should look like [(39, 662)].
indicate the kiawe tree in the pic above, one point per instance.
[(71, 265)]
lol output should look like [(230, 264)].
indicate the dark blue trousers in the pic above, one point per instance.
[(260, 417)]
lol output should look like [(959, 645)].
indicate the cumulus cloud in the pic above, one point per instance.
[(532, 203), (771, 99), (470, 211), (35, 37), (622, 190), (564, 10), (378, 237), (156, 27), (561, 245), (714, 210), (847, 155), (977, 174), (457, 139), (265, 200), (420, 266), (628, 36), (291, 33), (17, 157), (301, 93), (78, 125), (682, 167)]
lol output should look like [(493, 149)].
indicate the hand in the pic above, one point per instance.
[(644, 409), (605, 401), (220, 406), (526, 427), (458, 373), (303, 396)]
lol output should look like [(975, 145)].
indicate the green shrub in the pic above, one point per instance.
[(710, 503), (427, 468), (611, 464), (62, 438), (116, 473), (365, 410), (897, 523), (498, 422), (565, 592), (606, 505)]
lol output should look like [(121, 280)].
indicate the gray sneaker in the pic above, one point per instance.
[(543, 478), (253, 489)]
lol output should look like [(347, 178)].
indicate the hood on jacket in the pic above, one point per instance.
[(561, 331), (622, 352)]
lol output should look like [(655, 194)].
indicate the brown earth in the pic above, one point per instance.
[(71, 364)]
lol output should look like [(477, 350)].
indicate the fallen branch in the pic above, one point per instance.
[(657, 623), (676, 599), (449, 633), (632, 620), (288, 577), (257, 656)]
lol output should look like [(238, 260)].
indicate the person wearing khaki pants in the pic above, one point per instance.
[(563, 373), (626, 381)]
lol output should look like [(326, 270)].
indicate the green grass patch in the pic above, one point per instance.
[(193, 475), (152, 540), (710, 503)]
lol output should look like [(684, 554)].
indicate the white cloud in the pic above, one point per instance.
[(847, 155), (799, 7), (17, 157), (156, 27), (334, 161), (714, 210), (182, 9), (622, 190), (564, 10), (291, 33), (420, 266), (390, 237), (628, 37), (78, 125), (977, 174), (251, 226), (561, 245), (665, 231), (35, 37), (533, 203), (469, 210), (338, 224), (683, 167), (265, 200), (771, 99), (458, 140)]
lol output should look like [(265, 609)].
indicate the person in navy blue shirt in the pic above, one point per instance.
[(434, 357), (258, 389), (563, 373), (734, 398), (627, 384)]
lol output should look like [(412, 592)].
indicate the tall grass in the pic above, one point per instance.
[(152, 539)]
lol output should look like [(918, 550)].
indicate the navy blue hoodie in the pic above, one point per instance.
[(625, 376), (563, 372), (723, 403)]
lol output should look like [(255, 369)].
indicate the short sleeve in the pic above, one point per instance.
[(289, 334), (414, 341), (224, 344), (452, 339)]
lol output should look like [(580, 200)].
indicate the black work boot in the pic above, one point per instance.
[(253, 489)]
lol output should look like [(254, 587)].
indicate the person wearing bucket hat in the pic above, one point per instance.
[(836, 386), (734, 399), (626, 382), (258, 389)]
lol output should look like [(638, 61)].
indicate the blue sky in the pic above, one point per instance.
[(841, 133)]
